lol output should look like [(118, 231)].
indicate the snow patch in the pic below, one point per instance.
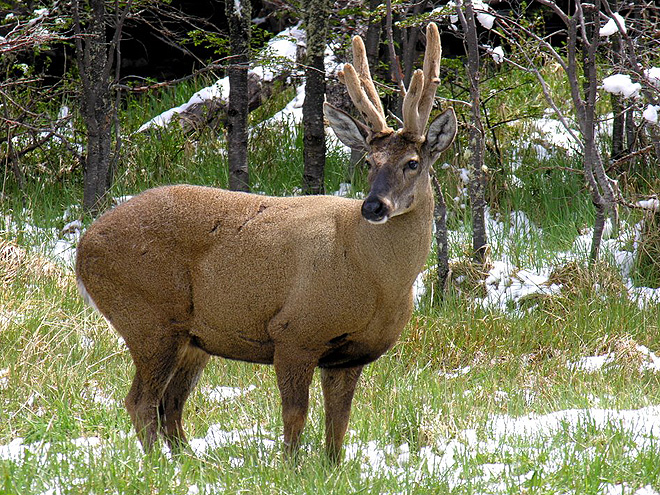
[(653, 75), (220, 394), (650, 113), (280, 50), (611, 27), (652, 204), (592, 364), (498, 54), (484, 17), (621, 84)]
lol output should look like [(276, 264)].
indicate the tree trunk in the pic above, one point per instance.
[(314, 134), (94, 59), (618, 128), (442, 244), (477, 185), (372, 40), (239, 18)]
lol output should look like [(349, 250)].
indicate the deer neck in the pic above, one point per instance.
[(396, 251)]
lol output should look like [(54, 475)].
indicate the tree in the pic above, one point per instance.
[(477, 184), (96, 58), (316, 19), (24, 127), (239, 17)]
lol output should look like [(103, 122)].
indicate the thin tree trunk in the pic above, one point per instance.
[(95, 57), (441, 241), (372, 40), (239, 17), (477, 185), (314, 134), (618, 128), (410, 37)]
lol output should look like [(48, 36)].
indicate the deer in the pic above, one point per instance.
[(186, 272)]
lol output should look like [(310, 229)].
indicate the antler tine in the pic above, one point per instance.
[(362, 91), (362, 102), (361, 65), (418, 102)]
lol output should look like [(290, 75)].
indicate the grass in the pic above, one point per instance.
[(425, 416)]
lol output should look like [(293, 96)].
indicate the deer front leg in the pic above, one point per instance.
[(294, 372), (338, 389)]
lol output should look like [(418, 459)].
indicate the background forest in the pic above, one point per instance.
[(530, 363)]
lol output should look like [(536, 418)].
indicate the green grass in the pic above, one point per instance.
[(68, 374)]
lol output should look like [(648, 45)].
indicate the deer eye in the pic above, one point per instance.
[(412, 164)]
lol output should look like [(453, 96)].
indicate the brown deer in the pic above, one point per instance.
[(186, 272)]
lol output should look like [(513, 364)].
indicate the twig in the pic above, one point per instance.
[(629, 156)]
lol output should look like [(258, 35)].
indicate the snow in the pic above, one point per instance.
[(220, 394), (57, 244), (592, 364), (94, 393), (553, 132), (498, 54), (280, 50), (4, 378), (653, 75), (650, 113), (507, 284), (611, 27), (621, 84), (482, 10), (487, 453), (649, 204)]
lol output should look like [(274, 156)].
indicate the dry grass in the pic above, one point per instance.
[(16, 261), (578, 278)]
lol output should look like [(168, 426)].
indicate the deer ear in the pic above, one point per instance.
[(352, 133), (441, 133)]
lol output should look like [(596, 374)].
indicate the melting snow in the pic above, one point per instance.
[(282, 48), (653, 75), (498, 54), (482, 9), (650, 113), (611, 27), (219, 394), (502, 436), (4, 378), (621, 84)]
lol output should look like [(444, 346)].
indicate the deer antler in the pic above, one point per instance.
[(418, 101), (362, 91)]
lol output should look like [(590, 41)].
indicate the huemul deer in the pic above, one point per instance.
[(185, 272)]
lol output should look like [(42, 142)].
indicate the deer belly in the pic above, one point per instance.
[(245, 342), (352, 353)]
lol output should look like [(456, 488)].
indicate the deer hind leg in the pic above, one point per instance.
[(191, 363), (338, 388), (294, 372), (155, 359)]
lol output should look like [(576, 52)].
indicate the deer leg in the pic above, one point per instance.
[(190, 366), (155, 363), (294, 375), (338, 388)]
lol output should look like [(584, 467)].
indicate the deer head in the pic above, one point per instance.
[(399, 161)]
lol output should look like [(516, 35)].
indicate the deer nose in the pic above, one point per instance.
[(375, 210)]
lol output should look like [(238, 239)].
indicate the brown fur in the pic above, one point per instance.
[(183, 271)]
